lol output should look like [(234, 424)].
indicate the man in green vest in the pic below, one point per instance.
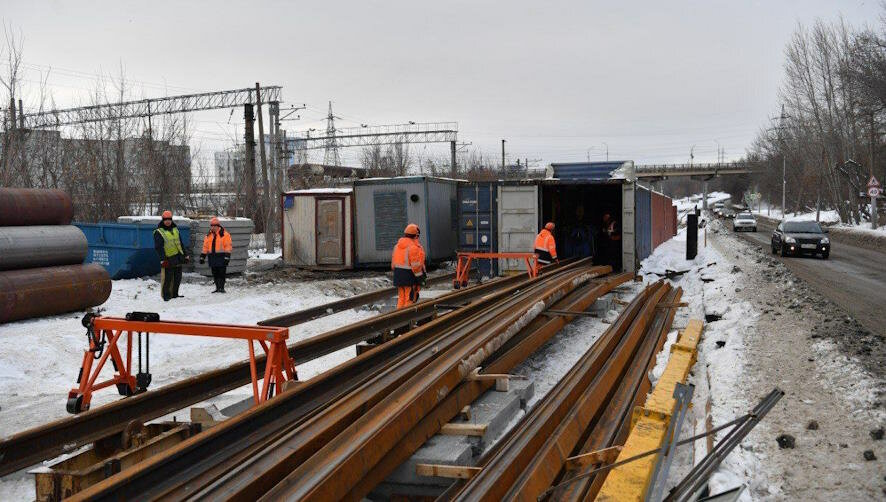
[(173, 255)]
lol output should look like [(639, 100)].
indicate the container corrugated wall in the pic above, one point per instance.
[(664, 219), (643, 222), (385, 206), (477, 218), (125, 250)]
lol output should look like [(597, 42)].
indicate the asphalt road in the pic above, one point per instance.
[(853, 278)]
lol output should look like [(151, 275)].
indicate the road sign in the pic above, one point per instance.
[(874, 191), (874, 183)]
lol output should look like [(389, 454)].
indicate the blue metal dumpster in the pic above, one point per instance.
[(126, 250)]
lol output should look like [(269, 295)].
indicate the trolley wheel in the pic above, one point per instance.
[(124, 390), (74, 405), (464, 284)]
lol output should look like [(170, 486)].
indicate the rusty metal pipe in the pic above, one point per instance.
[(36, 292), (34, 206), (41, 246)]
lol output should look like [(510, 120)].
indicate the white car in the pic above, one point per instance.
[(744, 222)]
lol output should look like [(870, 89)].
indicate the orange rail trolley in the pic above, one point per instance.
[(463, 268), (104, 334)]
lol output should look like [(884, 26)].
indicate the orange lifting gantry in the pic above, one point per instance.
[(104, 334), (463, 268)]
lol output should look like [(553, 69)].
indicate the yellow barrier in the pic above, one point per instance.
[(630, 481)]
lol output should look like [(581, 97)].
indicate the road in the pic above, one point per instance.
[(853, 278)]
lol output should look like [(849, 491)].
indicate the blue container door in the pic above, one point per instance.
[(476, 223), (643, 223)]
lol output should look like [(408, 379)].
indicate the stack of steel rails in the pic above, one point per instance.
[(324, 436), (589, 410), (52, 439)]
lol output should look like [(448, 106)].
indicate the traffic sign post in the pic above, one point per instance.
[(874, 191)]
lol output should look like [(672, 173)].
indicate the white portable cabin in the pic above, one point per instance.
[(318, 228)]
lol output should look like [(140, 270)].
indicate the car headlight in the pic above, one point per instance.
[(790, 240), (825, 240)]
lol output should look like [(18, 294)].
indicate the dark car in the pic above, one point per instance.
[(801, 237)]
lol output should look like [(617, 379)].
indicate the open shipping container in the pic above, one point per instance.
[(575, 196), (384, 206), (477, 222)]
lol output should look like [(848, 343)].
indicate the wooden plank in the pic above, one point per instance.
[(465, 413), (446, 471), (456, 429)]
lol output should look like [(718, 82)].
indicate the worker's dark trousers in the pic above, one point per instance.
[(218, 276), (170, 280)]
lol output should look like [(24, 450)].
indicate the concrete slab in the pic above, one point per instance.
[(495, 409)]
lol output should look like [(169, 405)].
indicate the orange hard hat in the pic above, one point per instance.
[(167, 214), (549, 225), (412, 229), (214, 221)]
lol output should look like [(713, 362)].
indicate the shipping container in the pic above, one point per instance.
[(384, 206), (664, 219), (477, 222), (577, 203), (125, 250), (318, 228)]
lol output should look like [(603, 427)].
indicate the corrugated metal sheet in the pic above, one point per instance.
[(643, 223), (589, 171), (389, 218), (517, 222), (664, 219), (477, 204)]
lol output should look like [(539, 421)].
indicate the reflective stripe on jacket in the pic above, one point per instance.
[(218, 246), (408, 262), (545, 244), (172, 244)]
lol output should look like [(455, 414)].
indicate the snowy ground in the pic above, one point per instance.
[(687, 204), (826, 216), (41, 357), (764, 330)]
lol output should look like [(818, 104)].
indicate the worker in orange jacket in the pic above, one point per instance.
[(217, 246), (408, 264), (545, 247)]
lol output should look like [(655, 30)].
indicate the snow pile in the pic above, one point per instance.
[(688, 204), (850, 380), (708, 282)]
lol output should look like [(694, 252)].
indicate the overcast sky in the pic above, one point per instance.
[(555, 79)]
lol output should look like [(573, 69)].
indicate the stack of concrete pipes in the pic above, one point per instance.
[(41, 257)]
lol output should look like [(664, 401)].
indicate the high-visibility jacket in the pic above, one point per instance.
[(218, 247), (408, 262), (545, 246), (167, 242), (612, 230)]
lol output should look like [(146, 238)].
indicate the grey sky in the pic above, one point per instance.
[(649, 78)]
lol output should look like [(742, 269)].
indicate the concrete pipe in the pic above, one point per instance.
[(34, 206), (37, 292), (41, 246)]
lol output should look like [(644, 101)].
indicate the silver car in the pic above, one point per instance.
[(744, 222)]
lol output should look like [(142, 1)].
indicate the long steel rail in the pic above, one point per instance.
[(54, 438), (225, 444)]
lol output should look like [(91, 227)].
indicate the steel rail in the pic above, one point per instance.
[(614, 425), (337, 467), (601, 347), (530, 339), (226, 441), (312, 313), (531, 459), (54, 438), (264, 469)]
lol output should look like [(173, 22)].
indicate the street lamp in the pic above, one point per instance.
[(607, 151)]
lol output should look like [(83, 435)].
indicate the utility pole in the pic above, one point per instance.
[(249, 161), (273, 174), (453, 168), (269, 234), (784, 163), (502, 156)]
